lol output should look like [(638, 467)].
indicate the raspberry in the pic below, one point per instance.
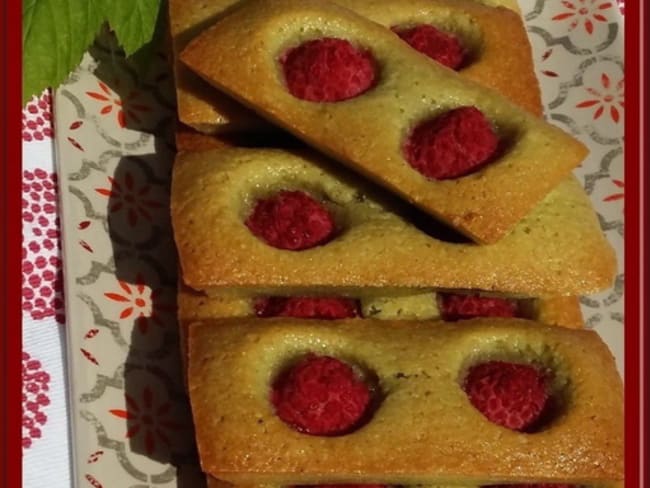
[(321, 396), (461, 307), (444, 48), (328, 70), (508, 394), (452, 145), (307, 307), (291, 220)]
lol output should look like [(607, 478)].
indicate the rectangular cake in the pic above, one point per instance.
[(378, 245), (421, 427)]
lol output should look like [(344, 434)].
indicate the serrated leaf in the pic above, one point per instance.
[(56, 33), (133, 21)]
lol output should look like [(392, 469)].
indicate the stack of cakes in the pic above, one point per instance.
[(381, 248)]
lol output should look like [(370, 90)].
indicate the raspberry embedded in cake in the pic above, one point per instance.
[(455, 307), (291, 220), (328, 308), (440, 46), (321, 395), (452, 145), (328, 70), (508, 394)]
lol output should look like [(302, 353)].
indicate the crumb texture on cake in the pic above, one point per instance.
[(446, 441), (558, 249), (368, 132)]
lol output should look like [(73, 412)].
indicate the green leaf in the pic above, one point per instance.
[(56, 33), (132, 20)]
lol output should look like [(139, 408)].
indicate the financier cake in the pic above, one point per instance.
[(406, 402), (233, 233)]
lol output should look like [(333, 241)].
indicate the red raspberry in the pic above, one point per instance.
[(328, 70), (307, 307), (508, 394), (444, 48), (291, 220), (321, 396), (461, 307), (452, 145)]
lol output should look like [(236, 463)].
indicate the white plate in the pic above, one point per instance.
[(131, 424)]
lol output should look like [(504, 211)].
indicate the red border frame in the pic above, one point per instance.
[(635, 227), (636, 231), (10, 268)]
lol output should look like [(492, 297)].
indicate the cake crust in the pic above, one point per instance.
[(558, 249), (445, 441), (187, 139), (562, 311), (368, 132), (198, 104)]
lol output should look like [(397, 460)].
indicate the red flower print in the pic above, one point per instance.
[(608, 97), (147, 419), (35, 386), (94, 457), (140, 302), (73, 127), (621, 6), (42, 280), (134, 200), (616, 196), (585, 11), (112, 103), (93, 481), (37, 118), (548, 72)]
